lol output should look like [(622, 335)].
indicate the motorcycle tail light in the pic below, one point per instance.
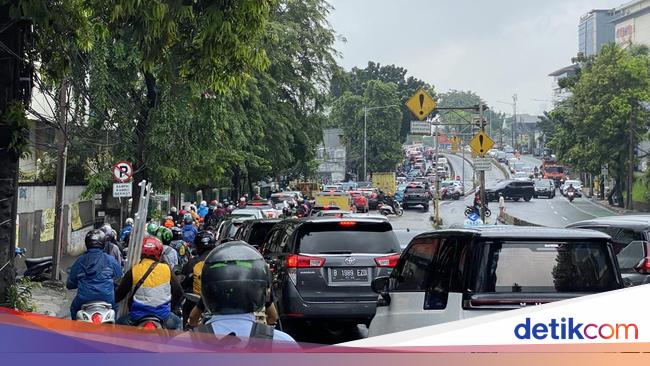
[(149, 325), (96, 318)]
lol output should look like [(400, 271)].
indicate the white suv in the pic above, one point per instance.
[(450, 275)]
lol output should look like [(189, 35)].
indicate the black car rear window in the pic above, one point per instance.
[(545, 267), (258, 233), (347, 237), (414, 190)]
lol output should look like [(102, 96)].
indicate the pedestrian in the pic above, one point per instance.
[(502, 208)]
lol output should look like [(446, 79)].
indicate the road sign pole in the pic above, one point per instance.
[(481, 175)]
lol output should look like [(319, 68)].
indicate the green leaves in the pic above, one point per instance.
[(591, 127)]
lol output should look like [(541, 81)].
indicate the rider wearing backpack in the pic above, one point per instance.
[(235, 283)]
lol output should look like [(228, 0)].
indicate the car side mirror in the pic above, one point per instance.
[(380, 286)]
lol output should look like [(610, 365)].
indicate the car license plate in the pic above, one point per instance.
[(349, 274)]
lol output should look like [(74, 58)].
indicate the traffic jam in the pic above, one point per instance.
[(341, 271)]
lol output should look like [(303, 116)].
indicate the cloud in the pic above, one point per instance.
[(495, 48)]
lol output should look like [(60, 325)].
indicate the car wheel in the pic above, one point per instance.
[(516, 199), (527, 198), (535, 196), (425, 208)]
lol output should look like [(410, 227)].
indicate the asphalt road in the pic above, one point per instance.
[(555, 212)]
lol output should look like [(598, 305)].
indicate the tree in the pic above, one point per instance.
[(605, 98)]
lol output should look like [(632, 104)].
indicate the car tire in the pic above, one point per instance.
[(425, 208), (516, 199), (535, 196), (527, 198)]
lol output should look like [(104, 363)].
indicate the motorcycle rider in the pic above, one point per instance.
[(571, 189), (204, 243), (189, 230), (127, 229), (203, 209), (93, 274), (235, 283), (211, 220), (173, 212), (169, 255), (221, 211), (111, 246), (155, 289), (182, 249)]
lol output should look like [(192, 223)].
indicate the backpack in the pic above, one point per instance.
[(189, 234), (258, 331)]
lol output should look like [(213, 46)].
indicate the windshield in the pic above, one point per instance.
[(547, 267), (543, 183), (554, 169), (359, 238)]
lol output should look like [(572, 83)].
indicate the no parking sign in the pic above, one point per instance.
[(122, 171)]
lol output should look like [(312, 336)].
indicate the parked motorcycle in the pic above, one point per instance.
[(38, 269), (470, 209), (96, 312), (386, 209)]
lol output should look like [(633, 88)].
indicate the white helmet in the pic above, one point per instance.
[(203, 203), (129, 221), (243, 199)]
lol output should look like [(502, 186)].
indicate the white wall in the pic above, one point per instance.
[(33, 198)]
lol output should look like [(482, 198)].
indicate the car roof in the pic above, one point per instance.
[(520, 232), (638, 222), (320, 220)]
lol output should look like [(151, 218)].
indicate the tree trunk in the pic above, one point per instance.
[(12, 37), (141, 130)]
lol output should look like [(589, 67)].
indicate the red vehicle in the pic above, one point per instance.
[(360, 201)]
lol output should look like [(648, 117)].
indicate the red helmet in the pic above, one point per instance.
[(152, 248)]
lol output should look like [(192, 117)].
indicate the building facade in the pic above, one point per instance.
[(331, 156), (595, 30), (632, 23)]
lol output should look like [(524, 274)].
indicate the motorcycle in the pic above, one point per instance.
[(38, 269), (386, 209), (150, 322), (96, 312), (570, 195), (445, 194), (472, 209)]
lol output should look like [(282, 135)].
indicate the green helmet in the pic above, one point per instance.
[(152, 228), (165, 235)]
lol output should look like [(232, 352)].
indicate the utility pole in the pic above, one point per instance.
[(630, 168), (62, 157), (514, 121), (481, 173), (365, 143), (436, 197)]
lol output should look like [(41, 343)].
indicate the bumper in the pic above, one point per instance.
[(295, 307)]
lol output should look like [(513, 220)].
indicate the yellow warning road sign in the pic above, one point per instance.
[(421, 104), (481, 143)]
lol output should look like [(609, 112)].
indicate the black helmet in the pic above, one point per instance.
[(235, 279), (95, 239), (177, 233), (204, 241)]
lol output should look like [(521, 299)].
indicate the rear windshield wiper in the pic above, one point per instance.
[(336, 252)]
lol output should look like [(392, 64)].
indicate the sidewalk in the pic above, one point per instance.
[(614, 209)]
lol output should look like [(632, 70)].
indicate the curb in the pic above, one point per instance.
[(504, 171)]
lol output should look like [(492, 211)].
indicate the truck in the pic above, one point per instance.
[(385, 182), (551, 170)]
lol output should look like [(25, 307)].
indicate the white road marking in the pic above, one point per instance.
[(565, 219), (555, 212)]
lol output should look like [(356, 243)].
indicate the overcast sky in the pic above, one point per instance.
[(493, 47)]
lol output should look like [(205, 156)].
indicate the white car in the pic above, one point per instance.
[(484, 270), (252, 212), (521, 176)]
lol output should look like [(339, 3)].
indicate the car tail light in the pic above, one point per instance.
[(303, 261), (388, 261), (347, 223), (96, 318)]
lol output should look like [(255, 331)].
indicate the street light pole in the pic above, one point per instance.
[(365, 136)]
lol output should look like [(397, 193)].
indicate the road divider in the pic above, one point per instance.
[(500, 166)]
